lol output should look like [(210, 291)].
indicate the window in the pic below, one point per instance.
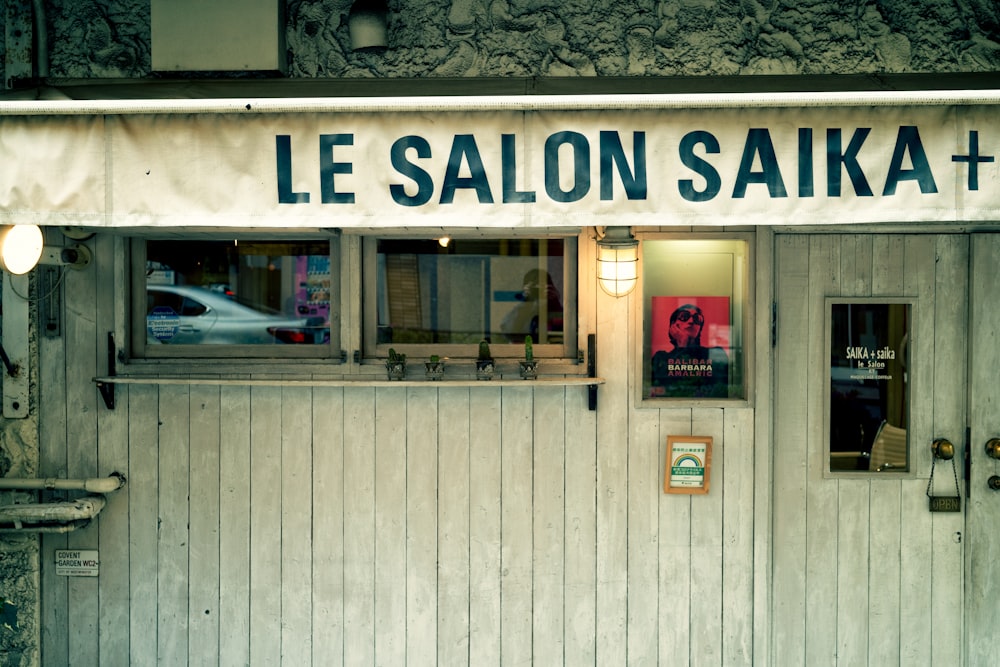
[(868, 391), (696, 300), (234, 298), (425, 297)]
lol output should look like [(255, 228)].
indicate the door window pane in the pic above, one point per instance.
[(869, 409)]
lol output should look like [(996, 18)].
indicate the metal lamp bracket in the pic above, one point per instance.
[(15, 345), (107, 389), (74, 256)]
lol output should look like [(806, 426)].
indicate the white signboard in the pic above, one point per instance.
[(76, 563), (497, 168)]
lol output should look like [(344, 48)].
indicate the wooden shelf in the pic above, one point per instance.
[(566, 381)]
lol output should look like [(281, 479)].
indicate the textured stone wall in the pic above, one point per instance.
[(19, 553), (19, 632), (98, 38), (525, 38)]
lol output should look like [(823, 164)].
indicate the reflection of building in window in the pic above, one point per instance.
[(473, 289), (537, 302), (402, 279)]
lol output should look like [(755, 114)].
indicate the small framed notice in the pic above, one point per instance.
[(689, 461)]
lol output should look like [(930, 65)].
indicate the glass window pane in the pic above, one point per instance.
[(694, 300), (500, 290), (237, 293)]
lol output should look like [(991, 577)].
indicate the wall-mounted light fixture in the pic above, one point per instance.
[(617, 261), (367, 24), (22, 248)]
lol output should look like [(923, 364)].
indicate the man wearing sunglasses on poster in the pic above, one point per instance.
[(690, 369)]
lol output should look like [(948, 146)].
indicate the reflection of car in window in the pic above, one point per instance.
[(185, 315)]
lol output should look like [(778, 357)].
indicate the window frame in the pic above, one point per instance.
[(910, 471), (744, 292), (222, 353), (566, 351)]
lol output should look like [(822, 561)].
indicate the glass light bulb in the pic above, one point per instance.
[(20, 248)]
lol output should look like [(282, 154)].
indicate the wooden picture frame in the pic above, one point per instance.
[(688, 464)]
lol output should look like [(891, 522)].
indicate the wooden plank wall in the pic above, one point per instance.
[(983, 556), (856, 561), (391, 525)]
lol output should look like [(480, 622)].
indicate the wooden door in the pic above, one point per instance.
[(983, 504), (863, 572)]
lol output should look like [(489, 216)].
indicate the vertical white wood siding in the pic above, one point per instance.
[(983, 548), (442, 525)]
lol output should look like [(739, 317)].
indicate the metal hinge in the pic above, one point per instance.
[(967, 462), (774, 324)]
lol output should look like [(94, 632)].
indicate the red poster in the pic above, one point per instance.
[(689, 338)]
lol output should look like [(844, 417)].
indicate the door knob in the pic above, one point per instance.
[(993, 448), (944, 450)]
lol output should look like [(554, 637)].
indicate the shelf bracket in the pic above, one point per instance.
[(107, 388), (592, 370)]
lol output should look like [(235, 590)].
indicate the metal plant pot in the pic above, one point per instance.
[(396, 369), (484, 369), (434, 370)]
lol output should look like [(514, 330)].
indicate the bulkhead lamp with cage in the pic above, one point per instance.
[(617, 261), (20, 248)]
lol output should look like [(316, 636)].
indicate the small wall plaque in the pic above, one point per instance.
[(76, 563), (689, 461)]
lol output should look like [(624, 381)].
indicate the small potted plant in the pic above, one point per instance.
[(529, 366), (434, 367), (395, 365), (484, 362)]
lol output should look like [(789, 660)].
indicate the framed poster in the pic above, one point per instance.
[(690, 343), (689, 463), (867, 414)]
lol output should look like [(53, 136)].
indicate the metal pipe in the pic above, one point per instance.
[(41, 39), (93, 485), (47, 528), (659, 101), (60, 512)]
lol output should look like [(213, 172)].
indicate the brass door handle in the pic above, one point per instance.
[(943, 449), (993, 448)]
